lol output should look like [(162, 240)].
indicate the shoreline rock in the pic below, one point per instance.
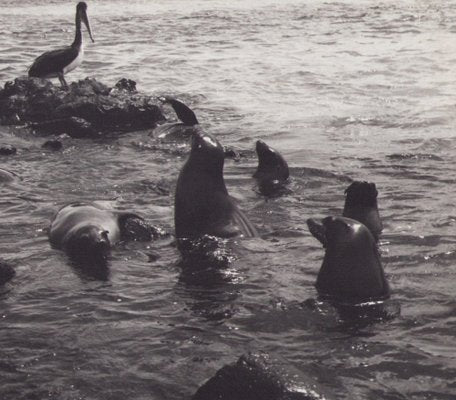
[(87, 109)]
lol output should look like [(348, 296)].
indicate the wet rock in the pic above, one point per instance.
[(54, 145), (126, 84), (152, 257), (73, 126), (257, 377), (6, 272), (85, 109), (232, 153), (7, 150)]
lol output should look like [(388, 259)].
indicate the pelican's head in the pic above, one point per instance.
[(81, 13)]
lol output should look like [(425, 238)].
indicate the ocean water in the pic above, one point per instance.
[(344, 90)]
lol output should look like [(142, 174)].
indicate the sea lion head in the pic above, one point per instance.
[(88, 244), (271, 164), (361, 193), (272, 171), (361, 205), (207, 154), (351, 269)]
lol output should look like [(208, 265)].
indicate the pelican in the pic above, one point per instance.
[(56, 63)]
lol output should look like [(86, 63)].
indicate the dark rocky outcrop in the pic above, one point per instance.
[(257, 377), (87, 108)]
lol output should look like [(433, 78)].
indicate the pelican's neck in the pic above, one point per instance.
[(78, 36)]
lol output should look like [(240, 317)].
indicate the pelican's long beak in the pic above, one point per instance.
[(85, 19)]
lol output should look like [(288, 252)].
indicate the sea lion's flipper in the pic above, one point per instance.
[(238, 224), (241, 220), (183, 112), (134, 227)]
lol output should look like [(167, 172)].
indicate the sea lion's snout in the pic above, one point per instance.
[(318, 230), (90, 244), (261, 147)]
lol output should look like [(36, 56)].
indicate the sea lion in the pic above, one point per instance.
[(86, 232), (361, 205), (177, 130), (272, 171), (202, 204), (351, 269)]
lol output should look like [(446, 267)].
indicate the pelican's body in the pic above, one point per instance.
[(56, 63)]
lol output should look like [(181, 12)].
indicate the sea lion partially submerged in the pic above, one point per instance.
[(202, 203), (86, 232), (351, 268), (272, 172), (361, 205)]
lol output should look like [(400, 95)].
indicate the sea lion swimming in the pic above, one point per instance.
[(351, 268), (361, 205), (272, 171), (86, 232), (202, 203), (177, 130)]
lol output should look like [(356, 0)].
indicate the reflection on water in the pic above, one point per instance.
[(344, 91)]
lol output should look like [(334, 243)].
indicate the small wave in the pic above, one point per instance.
[(386, 122), (411, 156)]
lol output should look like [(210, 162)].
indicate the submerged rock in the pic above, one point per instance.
[(7, 176), (86, 109), (73, 126), (257, 377), (7, 150), (54, 145), (6, 272)]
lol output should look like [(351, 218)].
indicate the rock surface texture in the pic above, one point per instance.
[(88, 108)]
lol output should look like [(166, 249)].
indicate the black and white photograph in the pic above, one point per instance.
[(227, 200)]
